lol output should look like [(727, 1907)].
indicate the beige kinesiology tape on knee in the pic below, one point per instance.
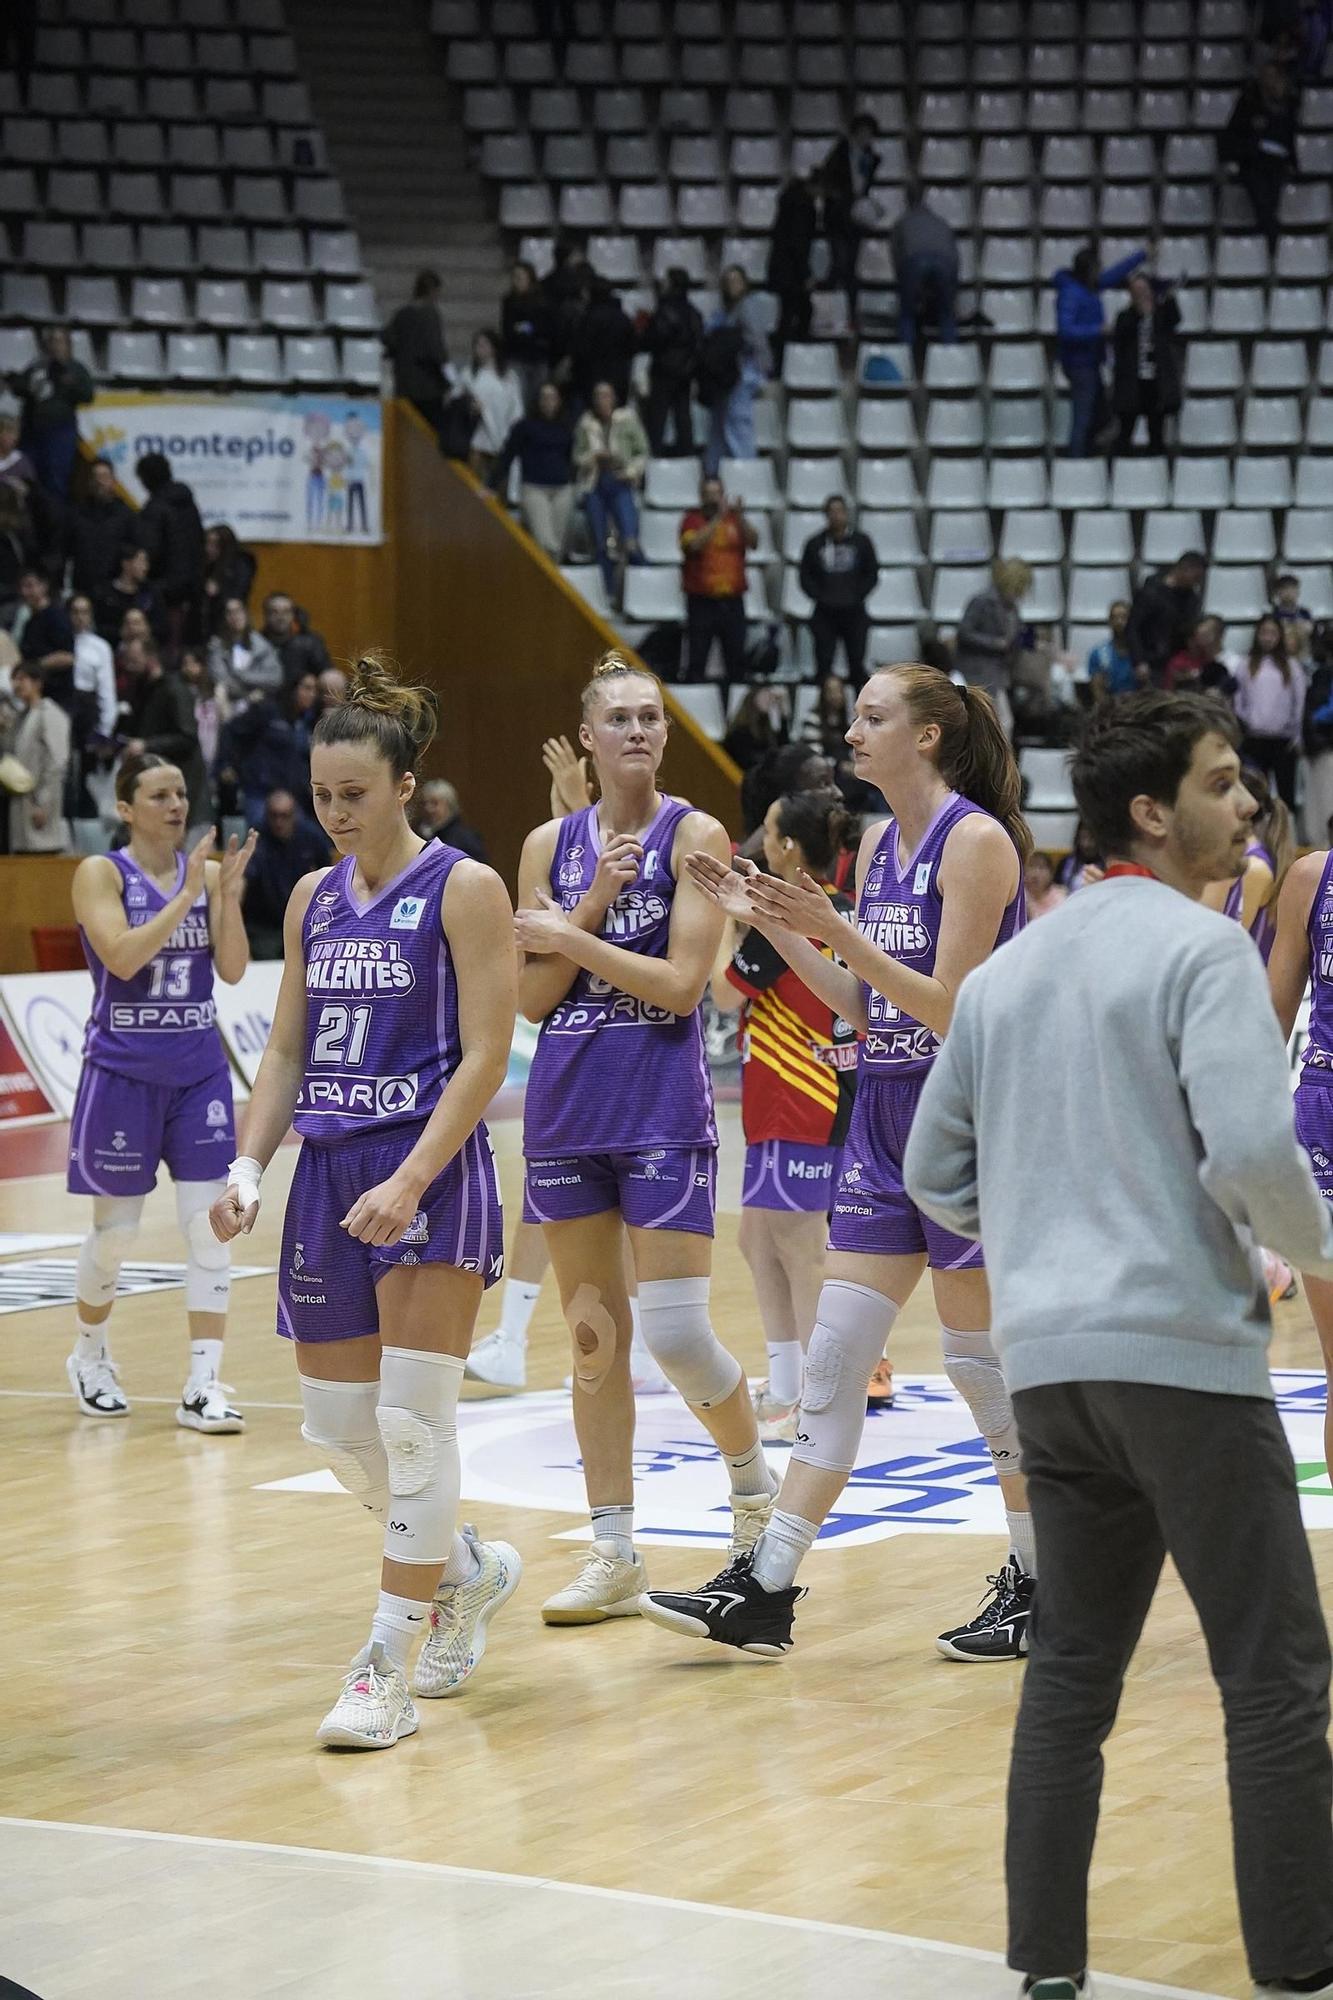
[(591, 1321)]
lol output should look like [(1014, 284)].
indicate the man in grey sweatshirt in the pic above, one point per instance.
[(1111, 1114)]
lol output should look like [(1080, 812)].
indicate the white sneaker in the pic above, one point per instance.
[(606, 1587), (204, 1407), (646, 1378), (96, 1385), (459, 1617), (750, 1515), (499, 1360), (374, 1708), (776, 1419)]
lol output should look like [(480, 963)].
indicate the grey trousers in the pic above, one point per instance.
[(1122, 1474)]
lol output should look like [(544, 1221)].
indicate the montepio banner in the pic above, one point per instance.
[(274, 468)]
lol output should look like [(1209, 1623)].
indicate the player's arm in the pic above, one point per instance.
[(1255, 889), (477, 920), (546, 972), (727, 996), (278, 1085), (99, 907), (675, 982), (226, 890), (1289, 961)]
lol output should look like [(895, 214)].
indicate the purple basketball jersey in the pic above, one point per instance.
[(382, 1034), (612, 1074), (1317, 1059), (1263, 930), (900, 911), (160, 1026)]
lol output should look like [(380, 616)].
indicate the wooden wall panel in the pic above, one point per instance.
[(34, 892)]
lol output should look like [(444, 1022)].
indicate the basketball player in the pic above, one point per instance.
[(1252, 897), (155, 926), (1303, 954), (797, 1080), (619, 1127), (939, 886), (390, 1037)]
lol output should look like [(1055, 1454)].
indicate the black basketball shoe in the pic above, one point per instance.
[(1000, 1629), (733, 1609)]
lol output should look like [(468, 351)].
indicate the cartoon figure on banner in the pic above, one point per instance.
[(354, 431), (335, 467), (317, 427)]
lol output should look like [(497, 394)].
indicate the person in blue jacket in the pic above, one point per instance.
[(1081, 341)]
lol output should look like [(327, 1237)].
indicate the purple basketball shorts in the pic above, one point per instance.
[(122, 1130), (1314, 1130), (872, 1210), (665, 1187), (327, 1280), (785, 1174)]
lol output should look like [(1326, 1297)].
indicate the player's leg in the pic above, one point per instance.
[(93, 1374), (776, 1398), (1319, 1294), (646, 1378), (198, 1131), (115, 1144), (999, 1631), (501, 1357), (588, 1260)]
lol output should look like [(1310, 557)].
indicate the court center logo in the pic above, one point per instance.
[(921, 1467)]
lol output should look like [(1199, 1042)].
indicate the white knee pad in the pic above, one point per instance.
[(673, 1313), (851, 1328), (340, 1425), (107, 1245), (973, 1366), (207, 1262), (417, 1417)]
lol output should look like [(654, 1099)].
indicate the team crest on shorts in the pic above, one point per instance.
[(417, 1230), (853, 1173), (409, 1257), (216, 1113), (118, 1142), (407, 913)]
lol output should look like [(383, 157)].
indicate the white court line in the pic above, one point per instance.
[(814, 1925)]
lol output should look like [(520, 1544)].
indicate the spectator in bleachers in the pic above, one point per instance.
[(258, 754), (415, 344), (288, 631), (1259, 141), (990, 633), (100, 528), (610, 458), (210, 703), (1203, 666), (128, 590), (1148, 363), (229, 571), (1081, 341), (825, 728), (16, 552), (1293, 616), (41, 743), (847, 178), (134, 630), (1041, 891), (289, 846), (305, 705), (173, 534), (332, 686), (1083, 865), (1041, 691), (45, 636), (1111, 665), (161, 722), (925, 267), (440, 818), (795, 226), (1166, 608), (16, 468), (241, 660), (839, 569), (1270, 702), (566, 286), (1300, 34), (525, 329), (498, 396), (94, 676), (790, 767), (1317, 808), (673, 338), (543, 444), (52, 389), (602, 343), (759, 725), (735, 361), (714, 537)]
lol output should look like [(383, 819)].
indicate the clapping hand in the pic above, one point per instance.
[(723, 885), (231, 875), (570, 790), (800, 906)]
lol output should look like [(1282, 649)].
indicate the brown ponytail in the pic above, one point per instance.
[(818, 821), (975, 756), (378, 709)]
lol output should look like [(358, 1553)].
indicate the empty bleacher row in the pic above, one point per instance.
[(164, 188)]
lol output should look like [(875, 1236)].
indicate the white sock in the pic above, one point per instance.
[(750, 1475), (398, 1621), (516, 1310), (785, 1360), (779, 1550), (462, 1565), (205, 1360), (1022, 1540), (616, 1524), (90, 1342)]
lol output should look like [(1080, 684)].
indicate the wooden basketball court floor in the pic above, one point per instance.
[(604, 1811)]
